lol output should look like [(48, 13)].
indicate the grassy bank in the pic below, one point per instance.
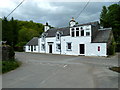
[(9, 65), (117, 69)]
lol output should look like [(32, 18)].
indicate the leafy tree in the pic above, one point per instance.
[(16, 32), (110, 17), (26, 34)]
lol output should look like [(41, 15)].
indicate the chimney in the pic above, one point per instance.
[(72, 22), (46, 27)]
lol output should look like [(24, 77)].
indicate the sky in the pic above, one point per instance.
[(57, 14)]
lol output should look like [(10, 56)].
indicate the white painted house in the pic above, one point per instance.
[(84, 39)]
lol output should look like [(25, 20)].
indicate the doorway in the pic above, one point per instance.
[(82, 48), (31, 48), (50, 48)]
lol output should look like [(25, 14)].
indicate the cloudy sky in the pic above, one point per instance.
[(57, 14)]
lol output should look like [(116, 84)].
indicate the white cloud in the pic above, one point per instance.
[(56, 13)]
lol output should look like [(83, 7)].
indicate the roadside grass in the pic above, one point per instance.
[(117, 69), (6, 66)]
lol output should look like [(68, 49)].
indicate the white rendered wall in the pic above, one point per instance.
[(29, 50), (92, 49)]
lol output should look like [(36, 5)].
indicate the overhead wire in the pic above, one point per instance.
[(82, 10), (15, 8)]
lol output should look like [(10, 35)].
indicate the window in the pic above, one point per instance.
[(28, 47), (82, 32), (77, 33), (72, 32), (77, 28), (98, 48), (69, 47), (58, 36), (43, 38), (87, 33), (43, 47), (58, 47), (34, 48)]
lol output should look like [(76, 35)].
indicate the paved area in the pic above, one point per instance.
[(59, 71)]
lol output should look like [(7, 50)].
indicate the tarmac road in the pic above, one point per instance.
[(59, 71)]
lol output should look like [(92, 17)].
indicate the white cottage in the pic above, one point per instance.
[(84, 39), (32, 45)]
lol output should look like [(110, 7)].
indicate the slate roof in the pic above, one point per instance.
[(33, 41), (102, 35), (52, 32), (65, 30)]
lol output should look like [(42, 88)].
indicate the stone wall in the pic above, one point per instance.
[(7, 53)]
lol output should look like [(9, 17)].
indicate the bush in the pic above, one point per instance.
[(9, 65), (117, 49), (117, 69), (19, 46), (111, 49)]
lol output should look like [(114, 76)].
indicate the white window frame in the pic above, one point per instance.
[(57, 48), (57, 36), (88, 32)]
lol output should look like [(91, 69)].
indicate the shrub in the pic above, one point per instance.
[(117, 49), (9, 65), (111, 49), (19, 46)]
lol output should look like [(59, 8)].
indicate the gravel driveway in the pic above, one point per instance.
[(59, 71)]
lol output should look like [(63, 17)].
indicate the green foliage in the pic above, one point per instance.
[(9, 65), (20, 44), (110, 17), (111, 49), (11, 53), (15, 31), (19, 47), (25, 34)]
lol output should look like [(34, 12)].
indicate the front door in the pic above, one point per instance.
[(31, 48), (50, 48), (82, 49)]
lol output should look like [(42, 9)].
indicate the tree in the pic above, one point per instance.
[(110, 17)]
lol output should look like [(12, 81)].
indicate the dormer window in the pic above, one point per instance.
[(82, 32), (58, 36), (77, 32), (43, 38)]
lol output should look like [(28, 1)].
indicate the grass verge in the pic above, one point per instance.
[(117, 69), (9, 65)]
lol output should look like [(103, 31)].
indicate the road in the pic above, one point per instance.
[(59, 71)]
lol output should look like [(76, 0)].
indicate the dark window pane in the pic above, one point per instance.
[(72, 34), (77, 28), (69, 45), (87, 33), (82, 33), (59, 46), (77, 33)]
